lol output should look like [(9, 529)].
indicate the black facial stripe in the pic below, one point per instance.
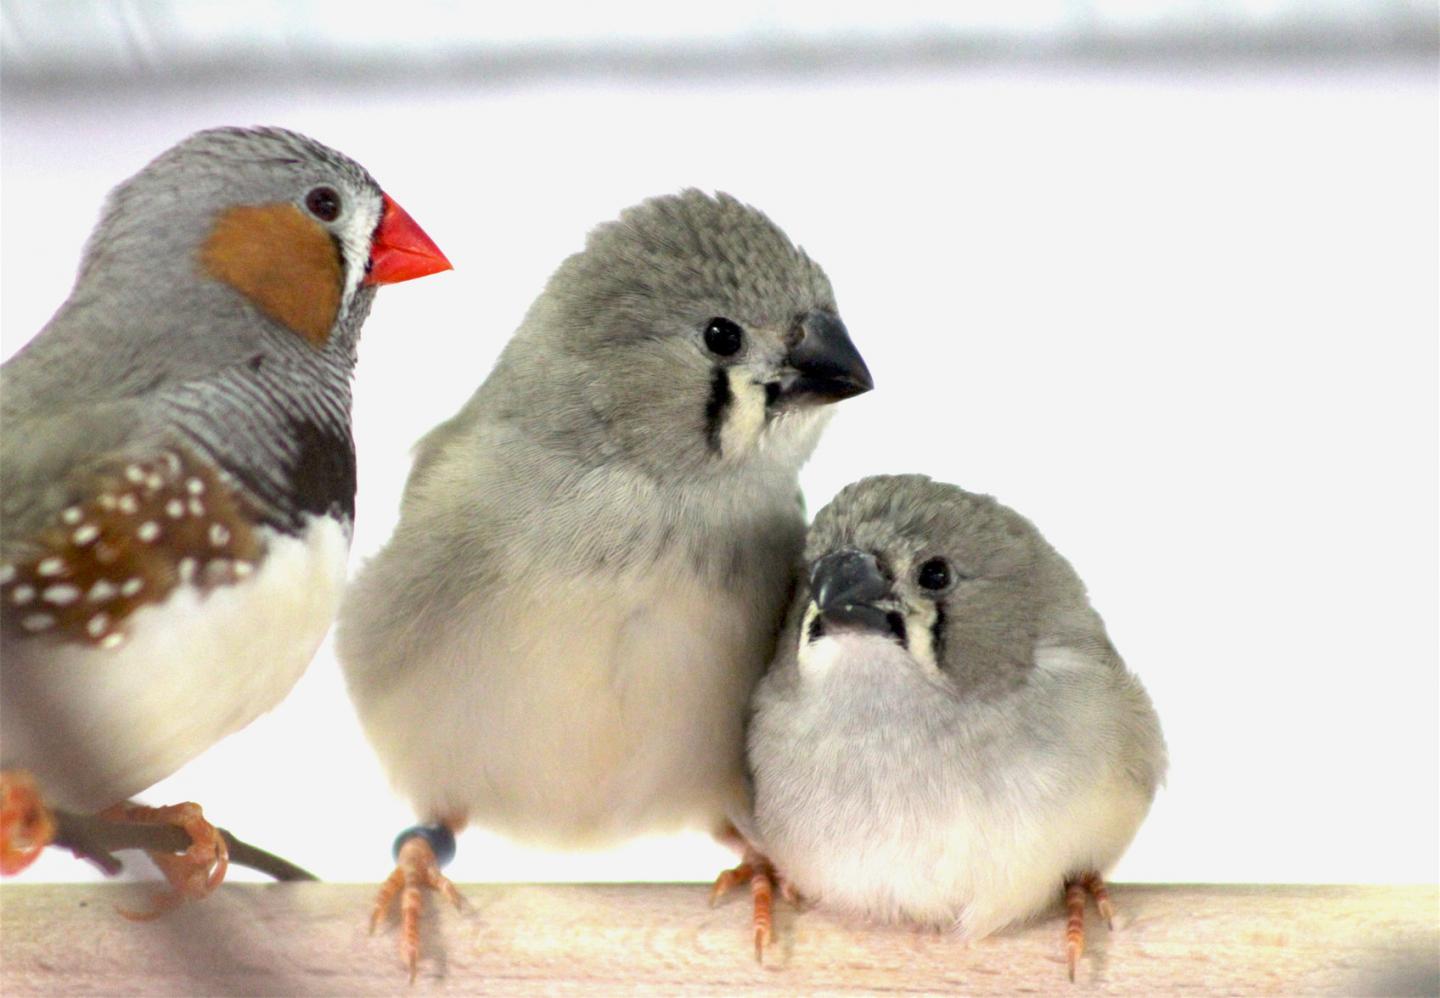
[(937, 636), (340, 258), (817, 629), (772, 394), (716, 407), (370, 257), (897, 627)]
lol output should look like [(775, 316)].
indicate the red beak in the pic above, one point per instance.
[(401, 251)]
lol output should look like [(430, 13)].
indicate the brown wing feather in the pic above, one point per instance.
[(139, 529)]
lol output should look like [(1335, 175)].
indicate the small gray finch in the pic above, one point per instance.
[(594, 555), (946, 736), (179, 473)]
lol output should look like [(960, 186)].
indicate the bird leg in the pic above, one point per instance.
[(1074, 923), (761, 875), (26, 826), (192, 874), (1075, 891), (1096, 886), (419, 854)]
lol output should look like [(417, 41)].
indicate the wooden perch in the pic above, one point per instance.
[(647, 939)]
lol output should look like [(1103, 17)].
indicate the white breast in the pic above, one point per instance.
[(976, 869), (100, 725), (869, 801), (582, 710)]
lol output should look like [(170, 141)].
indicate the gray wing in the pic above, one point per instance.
[(46, 460), (1124, 726), (443, 553)]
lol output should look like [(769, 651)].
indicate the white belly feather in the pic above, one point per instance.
[(872, 813), (192, 670), (578, 711), (980, 870)]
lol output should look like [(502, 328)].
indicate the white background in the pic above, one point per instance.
[(1183, 318)]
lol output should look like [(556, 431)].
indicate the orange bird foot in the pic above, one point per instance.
[(26, 826), (417, 869), (761, 875), (193, 874), (1075, 892)]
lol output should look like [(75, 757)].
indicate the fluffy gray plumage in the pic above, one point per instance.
[(594, 554), (945, 756)]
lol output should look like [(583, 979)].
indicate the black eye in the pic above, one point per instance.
[(323, 203), (935, 574), (723, 337)]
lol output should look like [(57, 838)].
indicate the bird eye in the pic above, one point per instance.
[(323, 203), (723, 337), (934, 575)]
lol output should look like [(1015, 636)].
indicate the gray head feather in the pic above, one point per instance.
[(1009, 599), (184, 186), (609, 365), (1008, 586), (671, 259)]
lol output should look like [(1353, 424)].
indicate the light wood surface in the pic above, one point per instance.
[(647, 939)]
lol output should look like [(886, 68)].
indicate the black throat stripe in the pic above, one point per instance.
[(716, 407), (344, 264), (937, 636)]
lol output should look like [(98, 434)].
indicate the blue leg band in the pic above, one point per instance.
[(440, 838)]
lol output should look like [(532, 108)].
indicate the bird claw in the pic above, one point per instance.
[(26, 825), (762, 940), (416, 870), (1096, 886), (758, 871), (728, 880), (193, 874), (1075, 893)]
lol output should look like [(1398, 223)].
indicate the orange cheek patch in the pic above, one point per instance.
[(283, 261)]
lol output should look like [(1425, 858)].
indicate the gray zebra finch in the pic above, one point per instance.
[(179, 474), (594, 555), (946, 736)]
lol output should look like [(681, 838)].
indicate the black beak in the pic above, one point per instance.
[(845, 586), (825, 365)]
